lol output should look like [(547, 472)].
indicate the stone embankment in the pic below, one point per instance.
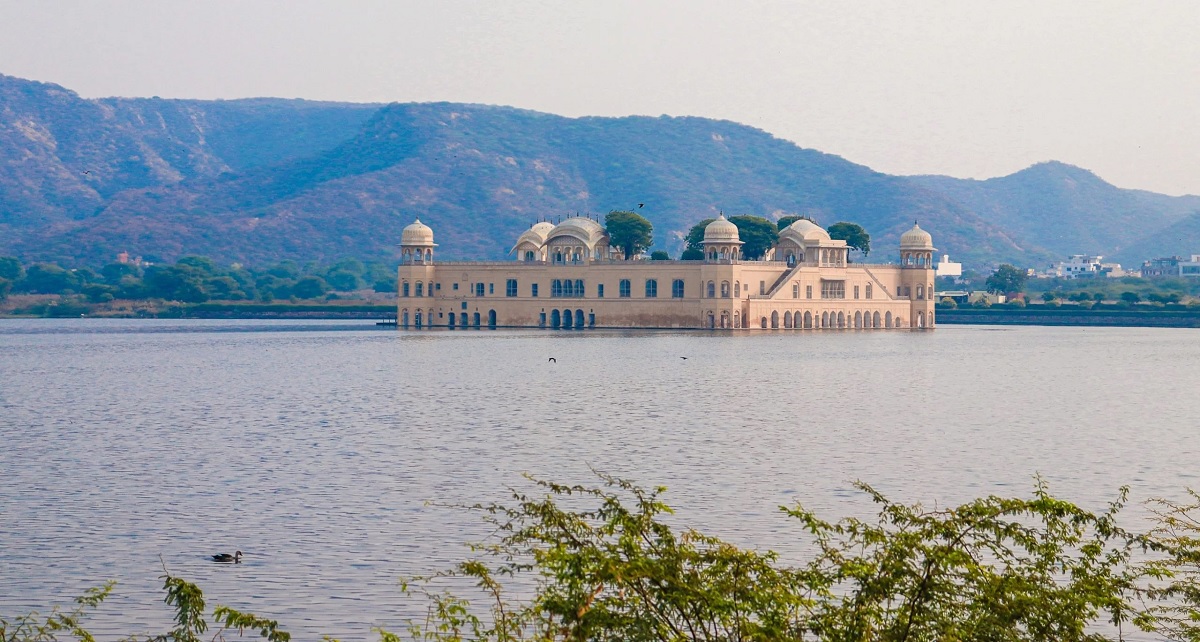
[(1050, 316)]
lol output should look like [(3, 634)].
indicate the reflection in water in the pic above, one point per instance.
[(315, 452)]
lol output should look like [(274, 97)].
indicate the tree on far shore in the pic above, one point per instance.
[(1007, 279)]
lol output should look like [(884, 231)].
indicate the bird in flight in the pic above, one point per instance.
[(684, 358), (553, 360), (87, 171), (640, 205)]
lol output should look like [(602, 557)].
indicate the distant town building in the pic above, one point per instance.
[(1083, 266), (570, 276), (1190, 268), (1172, 266), (949, 268), (1076, 266)]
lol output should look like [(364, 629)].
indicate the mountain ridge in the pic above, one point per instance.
[(262, 179)]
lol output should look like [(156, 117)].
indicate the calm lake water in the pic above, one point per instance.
[(314, 447)]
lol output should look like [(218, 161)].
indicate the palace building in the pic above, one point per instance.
[(569, 276)]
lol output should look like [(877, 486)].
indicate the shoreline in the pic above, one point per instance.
[(1069, 317)]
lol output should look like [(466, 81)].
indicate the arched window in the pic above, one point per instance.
[(579, 288), (677, 289), (724, 289), (568, 288), (737, 289), (419, 290), (404, 289), (870, 290), (528, 255), (623, 289), (712, 289), (558, 257), (920, 292), (651, 288)]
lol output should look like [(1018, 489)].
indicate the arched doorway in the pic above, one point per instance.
[(417, 318), (567, 318), (763, 323), (579, 319), (824, 320), (858, 320), (463, 318), (808, 320), (555, 319), (476, 319), (450, 320), (887, 320), (875, 323), (787, 320), (491, 318), (404, 318), (841, 320)]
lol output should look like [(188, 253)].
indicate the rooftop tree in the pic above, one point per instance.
[(629, 231), (756, 233), (853, 234)]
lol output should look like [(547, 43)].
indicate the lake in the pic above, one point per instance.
[(314, 447)]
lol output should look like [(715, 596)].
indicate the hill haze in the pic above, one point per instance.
[(260, 180)]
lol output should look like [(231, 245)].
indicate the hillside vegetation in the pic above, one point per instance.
[(262, 180)]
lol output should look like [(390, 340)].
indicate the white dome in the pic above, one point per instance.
[(416, 233), (804, 230), (579, 227), (535, 236), (916, 239), (721, 231)]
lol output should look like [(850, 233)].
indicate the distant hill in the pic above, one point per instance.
[(266, 179), (1070, 210)]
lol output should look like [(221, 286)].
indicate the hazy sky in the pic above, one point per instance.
[(969, 89)]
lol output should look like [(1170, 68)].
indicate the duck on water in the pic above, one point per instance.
[(236, 558)]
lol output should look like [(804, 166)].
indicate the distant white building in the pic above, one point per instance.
[(946, 267), (1078, 265)]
